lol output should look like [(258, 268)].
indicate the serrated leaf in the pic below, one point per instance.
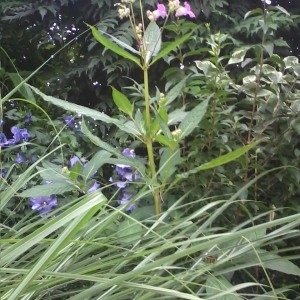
[(221, 160), (167, 164), (172, 46), (119, 42), (192, 119), (97, 141), (98, 160), (113, 46), (55, 188), (96, 115), (175, 91), (166, 141), (176, 116), (139, 121), (135, 163), (122, 102), (51, 172), (151, 41), (79, 109)]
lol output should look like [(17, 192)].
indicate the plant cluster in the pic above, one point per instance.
[(186, 189)]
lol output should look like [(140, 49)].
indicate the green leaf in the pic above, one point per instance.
[(122, 102), (192, 119), (56, 188), (291, 61), (269, 47), (175, 91), (139, 121), (78, 108), (237, 56), (88, 207), (24, 90), (167, 164), (129, 231), (161, 116), (256, 11), (135, 163), (221, 160), (97, 141), (122, 44), (280, 8), (98, 160), (166, 141), (219, 285), (176, 116), (206, 66), (270, 261), (96, 115), (151, 41), (113, 46), (51, 172), (172, 46)]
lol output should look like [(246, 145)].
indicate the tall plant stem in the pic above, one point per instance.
[(149, 144)]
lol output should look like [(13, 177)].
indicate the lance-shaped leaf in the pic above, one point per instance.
[(113, 46), (172, 46), (56, 188), (122, 102), (97, 115), (192, 119), (151, 41), (221, 160)]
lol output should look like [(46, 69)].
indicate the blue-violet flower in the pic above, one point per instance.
[(43, 204)]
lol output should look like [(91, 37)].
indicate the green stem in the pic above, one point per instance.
[(149, 143)]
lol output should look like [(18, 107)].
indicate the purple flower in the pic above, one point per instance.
[(25, 134), (20, 134), (27, 118), (74, 159), (20, 158), (3, 139), (125, 173), (94, 187), (3, 172), (118, 181), (17, 134), (70, 122), (43, 204), (125, 197), (127, 152), (185, 11), (159, 12)]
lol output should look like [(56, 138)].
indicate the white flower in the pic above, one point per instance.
[(268, 2)]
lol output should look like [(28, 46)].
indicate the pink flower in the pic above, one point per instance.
[(159, 12), (185, 11)]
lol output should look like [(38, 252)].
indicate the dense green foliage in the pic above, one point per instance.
[(212, 208)]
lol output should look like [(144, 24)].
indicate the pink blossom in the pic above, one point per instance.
[(159, 12), (185, 11)]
